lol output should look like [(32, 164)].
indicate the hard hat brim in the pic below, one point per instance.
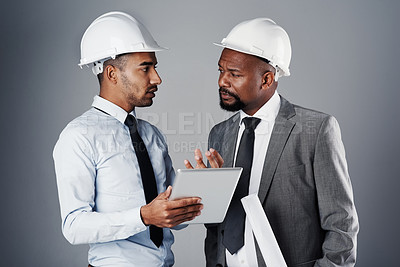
[(84, 62), (241, 50)]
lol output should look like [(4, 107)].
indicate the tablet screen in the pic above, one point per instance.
[(214, 186)]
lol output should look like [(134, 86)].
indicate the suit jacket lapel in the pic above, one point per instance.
[(280, 134), (230, 141)]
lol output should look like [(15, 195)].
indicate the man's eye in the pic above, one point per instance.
[(235, 75), (145, 69), (220, 71)]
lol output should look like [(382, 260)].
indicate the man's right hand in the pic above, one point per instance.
[(213, 157), (162, 212)]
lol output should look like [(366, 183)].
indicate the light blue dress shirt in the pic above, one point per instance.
[(100, 188)]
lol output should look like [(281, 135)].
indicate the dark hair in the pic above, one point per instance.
[(119, 62), (264, 59)]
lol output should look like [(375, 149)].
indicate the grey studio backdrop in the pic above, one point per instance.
[(345, 62)]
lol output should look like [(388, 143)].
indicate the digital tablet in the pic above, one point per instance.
[(214, 186)]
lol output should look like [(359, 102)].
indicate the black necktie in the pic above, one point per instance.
[(147, 173), (235, 218)]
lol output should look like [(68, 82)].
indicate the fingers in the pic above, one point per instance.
[(183, 202), (199, 159), (172, 217), (186, 211), (184, 214), (188, 165), (211, 159), (180, 219), (168, 191), (186, 217), (165, 213), (214, 158), (165, 194), (217, 157)]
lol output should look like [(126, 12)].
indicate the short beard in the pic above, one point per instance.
[(130, 96), (237, 105)]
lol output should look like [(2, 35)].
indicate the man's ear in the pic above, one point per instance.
[(110, 74), (268, 80)]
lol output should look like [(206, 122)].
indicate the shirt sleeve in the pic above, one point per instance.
[(76, 174), (335, 198)]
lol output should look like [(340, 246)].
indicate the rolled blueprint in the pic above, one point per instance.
[(263, 232)]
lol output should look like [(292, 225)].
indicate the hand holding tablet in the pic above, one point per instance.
[(215, 187), (162, 212)]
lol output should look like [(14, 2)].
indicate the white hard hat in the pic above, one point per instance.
[(112, 34), (261, 37)]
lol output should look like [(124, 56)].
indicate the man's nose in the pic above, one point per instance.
[(223, 80), (155, 78)]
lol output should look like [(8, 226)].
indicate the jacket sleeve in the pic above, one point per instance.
[(210, 245), (211, 241), (338, 216)]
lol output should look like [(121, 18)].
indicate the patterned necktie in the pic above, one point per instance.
[(147, 173), (233, 238)]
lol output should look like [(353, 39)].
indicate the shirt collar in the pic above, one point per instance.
[(110, 108), (268, 111)]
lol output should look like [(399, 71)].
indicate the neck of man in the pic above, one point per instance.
[(251, 110), (117, 99)]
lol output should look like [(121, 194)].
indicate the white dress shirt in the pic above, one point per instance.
[(101, 191), (246, 256)]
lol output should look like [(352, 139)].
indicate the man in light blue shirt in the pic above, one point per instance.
[(99, 177)]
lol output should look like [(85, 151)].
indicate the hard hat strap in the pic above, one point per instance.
[(97, 67), (277, 73)]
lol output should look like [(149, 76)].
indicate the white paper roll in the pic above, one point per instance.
[(263, 232)]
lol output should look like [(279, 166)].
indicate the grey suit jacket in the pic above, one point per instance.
[(305, 189)]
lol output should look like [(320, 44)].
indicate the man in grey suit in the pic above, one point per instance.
[(298, 166)]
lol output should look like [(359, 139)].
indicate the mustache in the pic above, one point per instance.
[(226, 91), (152, 89)]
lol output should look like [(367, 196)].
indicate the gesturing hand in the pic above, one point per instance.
[(213, 157), (162, 212)]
